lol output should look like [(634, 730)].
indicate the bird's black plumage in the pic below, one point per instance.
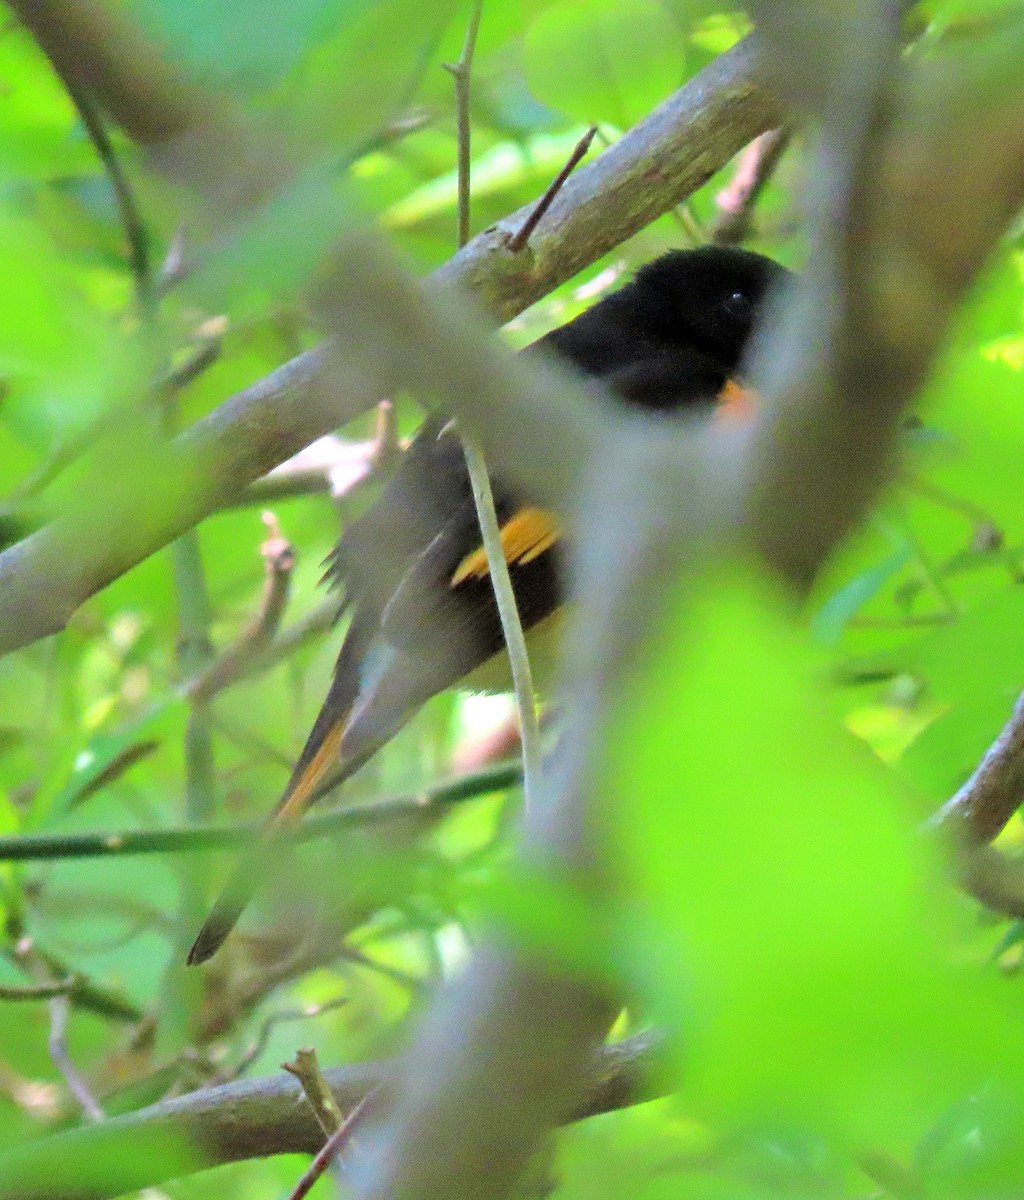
[(414, 578)]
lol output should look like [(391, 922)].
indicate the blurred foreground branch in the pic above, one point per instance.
[(844, 364)]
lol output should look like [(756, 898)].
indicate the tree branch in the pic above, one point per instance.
[(252, 1119), (994, 792), (862, 331)]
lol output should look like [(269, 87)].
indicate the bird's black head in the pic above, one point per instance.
[(709, 298)]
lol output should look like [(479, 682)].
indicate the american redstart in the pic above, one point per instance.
[(416, 585)]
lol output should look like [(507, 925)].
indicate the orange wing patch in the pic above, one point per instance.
[(524, 537), (736, 404)]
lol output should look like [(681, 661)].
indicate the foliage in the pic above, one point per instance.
[(839, 1020)]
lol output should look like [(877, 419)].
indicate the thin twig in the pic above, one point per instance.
[(986, 528), (462, 72), (306, 1070), (386, 443), (508, 611), (210, 837), (279, 559), (46, 968), (267, 1027), (995, 790), (337, 1142), (131, 217), (38, 991), (519, 239), (483, 494), (198, 360), (403, 978), (737, 201), (316, 622), (59, 1011), (479, 477)]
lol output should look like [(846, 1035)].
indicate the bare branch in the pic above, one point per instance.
[(872, 311), (253, 1119)]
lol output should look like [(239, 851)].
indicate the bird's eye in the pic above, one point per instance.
[(738, 304)]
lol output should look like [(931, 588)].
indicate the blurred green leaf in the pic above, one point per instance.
[(249, 44), (604, 60), (838, 609), (786, 907)]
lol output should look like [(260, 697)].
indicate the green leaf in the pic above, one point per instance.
[(786, 904), (604, 60), (252, 43), (835, 613)]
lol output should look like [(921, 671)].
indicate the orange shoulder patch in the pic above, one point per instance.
[(524, 537)]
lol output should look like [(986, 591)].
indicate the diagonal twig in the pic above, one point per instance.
[(521, 237)]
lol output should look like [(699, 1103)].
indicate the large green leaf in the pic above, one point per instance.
[(787, 914)]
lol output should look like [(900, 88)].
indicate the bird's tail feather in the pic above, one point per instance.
[(321, 766)]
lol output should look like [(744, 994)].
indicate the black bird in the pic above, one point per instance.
[(422, 611)]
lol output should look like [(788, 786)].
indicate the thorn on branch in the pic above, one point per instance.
[(306, 1070), (517, 241)]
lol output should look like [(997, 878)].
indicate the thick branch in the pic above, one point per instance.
[(252, 1119)]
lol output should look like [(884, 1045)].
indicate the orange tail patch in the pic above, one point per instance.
[(302, 795), (244, 882)]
